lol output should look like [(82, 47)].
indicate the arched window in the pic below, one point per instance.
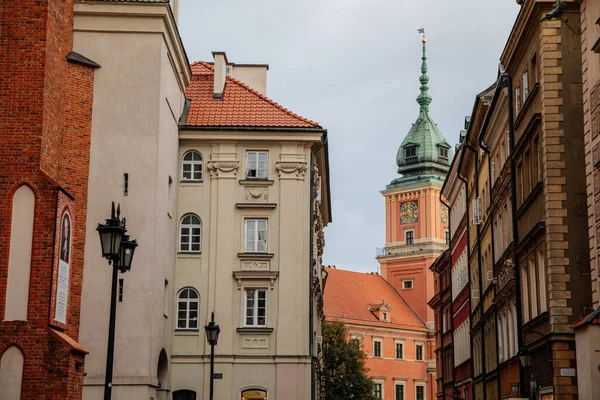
[(190, 234), (184, 395), (187, 309), (192, 167), (11, 373)]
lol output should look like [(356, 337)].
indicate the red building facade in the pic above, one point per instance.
[(45, 123)]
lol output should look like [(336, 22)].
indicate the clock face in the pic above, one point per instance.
[(409, 212), (444, 214)]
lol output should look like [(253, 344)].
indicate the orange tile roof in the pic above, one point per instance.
[(348, 296), (592, 318), (241, 105)]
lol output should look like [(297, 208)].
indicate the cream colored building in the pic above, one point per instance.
[(138, 99), (253, 200)]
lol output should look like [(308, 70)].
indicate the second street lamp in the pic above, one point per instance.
[(212, 337), (118, 250)]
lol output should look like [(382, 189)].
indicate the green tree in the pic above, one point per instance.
[(344, 365)]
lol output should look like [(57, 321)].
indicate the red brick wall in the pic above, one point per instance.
[(45, 126)]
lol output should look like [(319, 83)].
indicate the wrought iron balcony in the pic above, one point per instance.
[(405, 249)]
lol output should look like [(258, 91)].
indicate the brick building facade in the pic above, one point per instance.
[(45, 125)]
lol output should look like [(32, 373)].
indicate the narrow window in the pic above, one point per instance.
[(520, 185), (534, 294), (120, 290), (399, 395), (377, 348), (192, 167), (384, 316), (399, 351), (378, 391), (256, 307), (533, 68), (190, 234), (528, 173), (257, 164), (537, 159), (256, 235), (447, 236), (410, 237), (541, 266), (187, 309), (525, 85), (443, 152), (517, 100), (420, 395), (407, 284), (410, 152), (525, 293), (126, 184), (419, 352)]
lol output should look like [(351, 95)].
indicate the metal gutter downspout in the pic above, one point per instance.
[(451, 294), (311, 324)]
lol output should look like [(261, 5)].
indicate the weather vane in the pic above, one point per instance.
[(421, 30)]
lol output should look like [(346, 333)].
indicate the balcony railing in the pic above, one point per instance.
[(404, 249)]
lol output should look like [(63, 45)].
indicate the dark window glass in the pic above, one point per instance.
[(399, 350), (399, 392), (410, 237), (376, 349), (410, 152), (419, 352)]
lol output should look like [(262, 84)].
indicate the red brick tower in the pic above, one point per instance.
[(45, 124)]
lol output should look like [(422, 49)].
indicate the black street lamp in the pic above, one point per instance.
[(118, 250), (212, 336)]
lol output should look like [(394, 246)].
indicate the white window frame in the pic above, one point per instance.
[(403, 385), (422, 352), (380, 341), (379, 382), (256, 241), (190, 235), (196, 166), (443, 152), (540, 264), (254, 165), (423, 385), (406, 231), (254, 316), (396, 343), (412, 284), (525, 85), (187, 310)]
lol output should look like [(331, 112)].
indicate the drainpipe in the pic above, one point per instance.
[(507, 81), (478, 228), (311, 222), (487, 151), (451, 288), (464, 180)]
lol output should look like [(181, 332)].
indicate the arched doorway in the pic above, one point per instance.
[(162, 373), (254, 394)]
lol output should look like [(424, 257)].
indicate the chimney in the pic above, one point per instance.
[(220, 73)]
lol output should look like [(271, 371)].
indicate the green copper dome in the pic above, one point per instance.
[(425, 154)]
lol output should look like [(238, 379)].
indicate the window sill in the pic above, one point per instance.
[(184, 254), (256, 205), (183, 183), (256, 182), (255, 256), (255, 330), (187, 332)]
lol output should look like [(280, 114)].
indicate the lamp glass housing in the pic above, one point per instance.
[(212, 333), (111, 235), (126, 253)]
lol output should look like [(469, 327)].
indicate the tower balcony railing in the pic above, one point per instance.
[(415, 248)]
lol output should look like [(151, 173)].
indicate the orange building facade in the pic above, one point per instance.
[(396, 341)]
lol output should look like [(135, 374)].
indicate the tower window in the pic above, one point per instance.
[(443, 152), (407, 284), (410, 237), (410, 152)]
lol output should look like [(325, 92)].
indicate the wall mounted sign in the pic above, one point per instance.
[(64, 262)]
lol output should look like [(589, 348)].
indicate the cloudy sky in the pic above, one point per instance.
[(353, 66)]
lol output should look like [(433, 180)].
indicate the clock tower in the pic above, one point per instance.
[(416, 221)]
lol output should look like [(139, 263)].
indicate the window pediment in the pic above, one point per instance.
[(245, 275)]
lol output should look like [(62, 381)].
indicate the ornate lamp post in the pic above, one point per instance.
[(212, 336), (118, 250)]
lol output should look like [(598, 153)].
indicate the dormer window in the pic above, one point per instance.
[(410, 152), (443, 152), (384, 316)]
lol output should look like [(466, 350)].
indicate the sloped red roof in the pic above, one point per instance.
[(348, 296), (592, 318), (241, 105)]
